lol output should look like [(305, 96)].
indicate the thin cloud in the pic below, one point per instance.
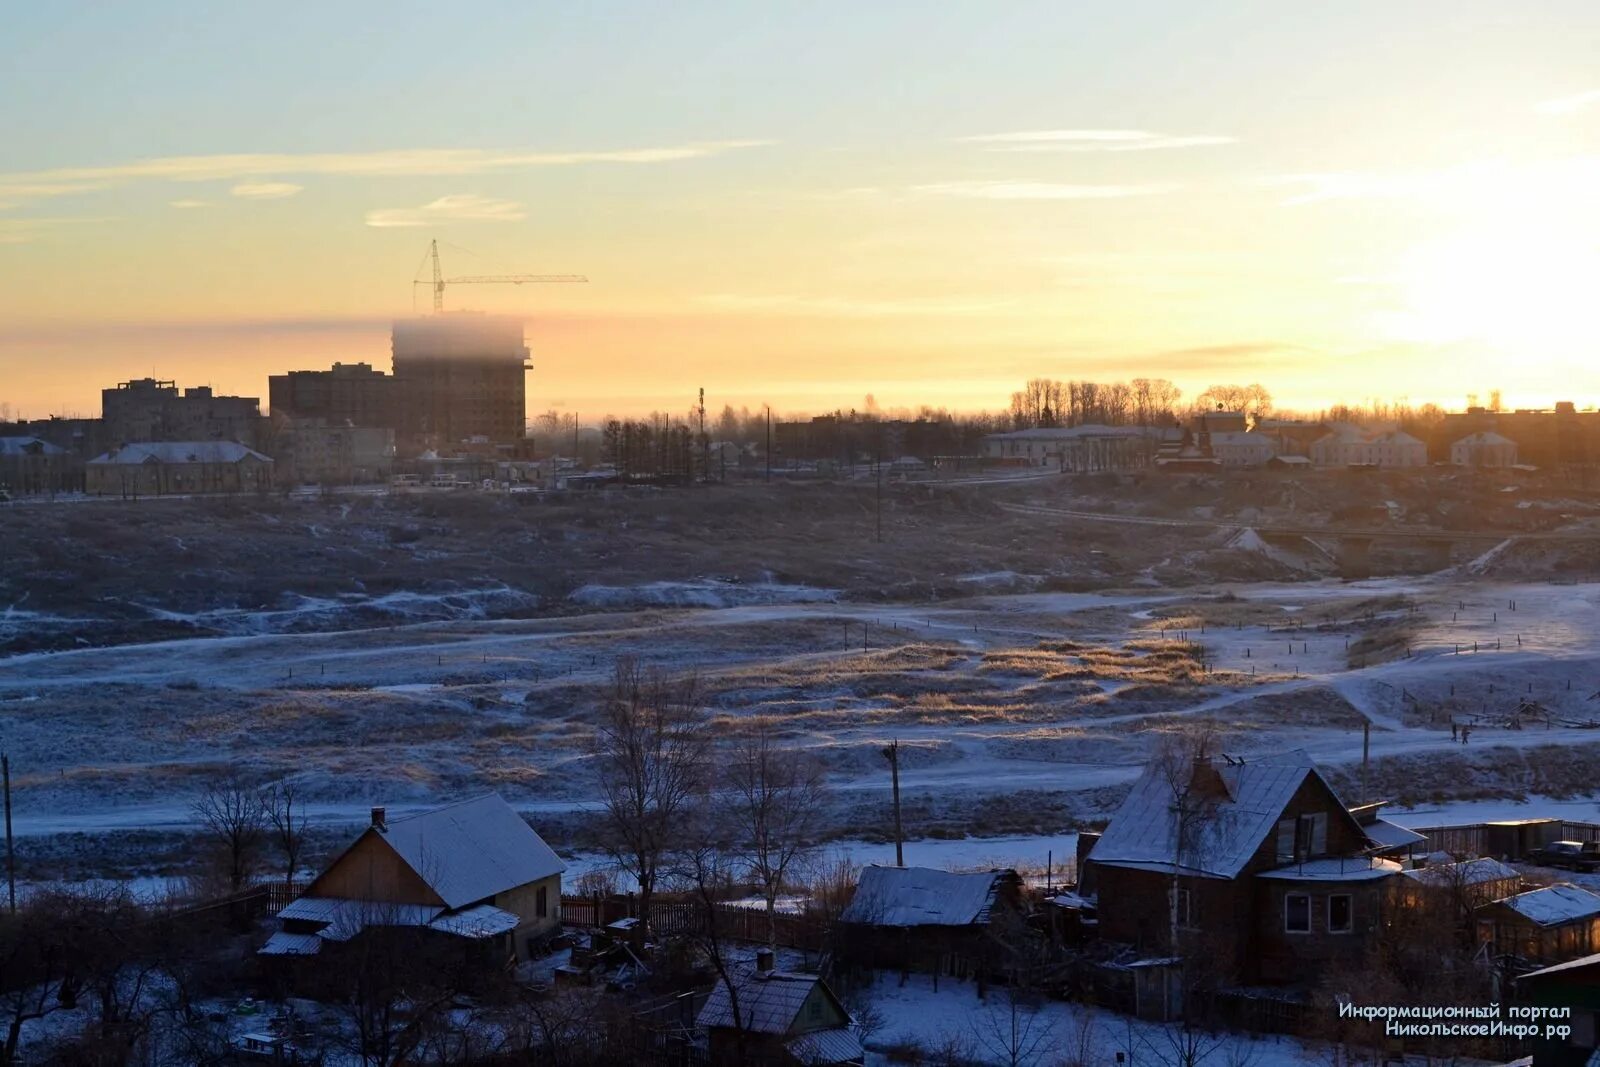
[(1023, 190), (188, 204), (845, 307), (1092, 141), (462, 207), (421, 162), (1568, 105), (265, 190), (24, 231)]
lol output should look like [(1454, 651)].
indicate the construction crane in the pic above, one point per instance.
[(440, 281)]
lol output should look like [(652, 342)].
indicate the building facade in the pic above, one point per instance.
[(464, 378), (347, 394), (178, 467), (147, 409)]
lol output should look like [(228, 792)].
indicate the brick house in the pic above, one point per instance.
[(1256, 869)]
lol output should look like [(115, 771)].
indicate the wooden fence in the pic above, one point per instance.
[(679, 918)]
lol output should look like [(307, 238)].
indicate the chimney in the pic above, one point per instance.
[(380, 820), (765, 961)]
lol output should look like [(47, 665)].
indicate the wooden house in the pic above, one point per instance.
[(939, 922), (1542, 926), (473, 871), (1575, 986), (1254, 870), (763, 1017), (1469, 883)]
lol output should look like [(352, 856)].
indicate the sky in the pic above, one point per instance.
[(806, 203)]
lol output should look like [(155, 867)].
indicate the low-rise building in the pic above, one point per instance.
[(770, 1018), (33, 465), (1253, 870), (1541, 927), (1085, 448), (163, 468), (474, 870), (939, 922), (1351, 446), (1235, 448), (1484, 449), (314, 451)]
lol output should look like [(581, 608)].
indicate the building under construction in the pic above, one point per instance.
[(463, 378)]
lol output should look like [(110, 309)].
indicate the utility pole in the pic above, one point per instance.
[(1366, 754), (880, 499), (11, 856), (769, 442), (892, 754)]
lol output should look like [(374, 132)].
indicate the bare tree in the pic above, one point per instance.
[(776, 800), (34, 962), (707, 870), (234, 817), (1012, 1030), (1182, 1045), (285, 813), (649, 752)]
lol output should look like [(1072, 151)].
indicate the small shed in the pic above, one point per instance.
[(1473, 883), (782, 1019), (1542, 926), (941, 922)]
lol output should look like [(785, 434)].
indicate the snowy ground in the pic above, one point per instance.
[(1020, 714)]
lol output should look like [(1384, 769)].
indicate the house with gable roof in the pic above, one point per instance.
[(474, 871), (771, 1018), (959, 924), (1255, 865)]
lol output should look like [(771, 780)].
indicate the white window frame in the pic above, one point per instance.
[(1286, 927), (1350, 914)]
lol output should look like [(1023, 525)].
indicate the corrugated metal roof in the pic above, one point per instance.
[(470, 851), (1467, 872), (23, 446), (1570, 965), (286, 944), (1391, 835), (179, 452), (477, 922), (1554, 904), (769, 1002), (1144, 831), (922, 896), (826, 1047)]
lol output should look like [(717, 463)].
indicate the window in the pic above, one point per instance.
[(541, 902), (1341, 913), (1286, 836), (1183, 906), (1297, 913)]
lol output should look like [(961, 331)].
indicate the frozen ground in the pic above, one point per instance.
[(1020, 715)]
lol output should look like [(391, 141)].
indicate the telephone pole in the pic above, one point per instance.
[(769, 442), (892, 754)]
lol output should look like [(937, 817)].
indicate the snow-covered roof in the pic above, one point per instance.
[(1395, 437), (470, 851), (1485, 437), (1387, 834), (834, 1045), (1240, 437), (344, 919), (1554, 904), (477, 922), (287, 944), (922, 896), (180, 452), (1294, 460), (1144, 831), (1059, 433), (769, 1001), (23, 446), (1334, 869), (1465, 873)]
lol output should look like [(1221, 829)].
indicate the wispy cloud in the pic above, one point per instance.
[(1568, 105), (23, 231), (462, 207), (1092, 141), (188, 203), (419, 162), (265, 190), (1026, 190), (848, 307)]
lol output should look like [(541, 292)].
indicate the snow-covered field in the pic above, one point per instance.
[(1021, 715)]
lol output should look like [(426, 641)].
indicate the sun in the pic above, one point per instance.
[(1523, 290)]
